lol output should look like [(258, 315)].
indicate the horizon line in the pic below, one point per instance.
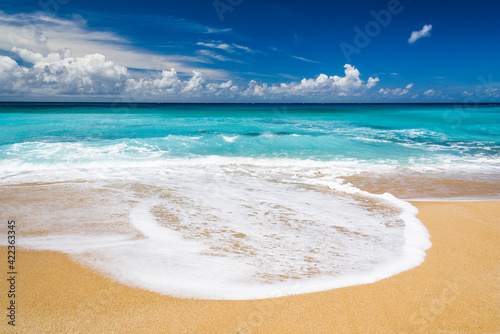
[(254, 103)]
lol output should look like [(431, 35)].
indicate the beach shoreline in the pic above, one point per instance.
[(455, 290)]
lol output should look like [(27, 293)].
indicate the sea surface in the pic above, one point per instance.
[(240, 201)]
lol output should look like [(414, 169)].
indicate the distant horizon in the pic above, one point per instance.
[(256, 103)]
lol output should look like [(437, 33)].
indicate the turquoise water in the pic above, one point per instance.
[(372, 133), (234, 201)]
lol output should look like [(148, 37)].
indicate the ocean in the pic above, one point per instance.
[(222, 201)]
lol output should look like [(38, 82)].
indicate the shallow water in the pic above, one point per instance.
[(236, 202)]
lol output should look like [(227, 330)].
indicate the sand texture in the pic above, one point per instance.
[(456, 290)]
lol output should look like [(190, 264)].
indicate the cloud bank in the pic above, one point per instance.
[(61, 73)]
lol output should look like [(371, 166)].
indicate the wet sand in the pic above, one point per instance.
[(456, 290), (426, 186)]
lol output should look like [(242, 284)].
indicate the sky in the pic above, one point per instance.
[(356, 51)]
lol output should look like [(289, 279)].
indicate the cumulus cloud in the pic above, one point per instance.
[(221, 89), (167, 83), (28, 56), (372, 82), (424, 32), (93, 75), (322, 86), (10, 75), (194, 84), (61, 73)]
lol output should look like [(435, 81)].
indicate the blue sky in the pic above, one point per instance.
[(250, 51)]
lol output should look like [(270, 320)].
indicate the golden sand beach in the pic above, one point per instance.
[(456, 290)]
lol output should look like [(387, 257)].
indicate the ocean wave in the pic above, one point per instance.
[(235, 203), (227, 231)]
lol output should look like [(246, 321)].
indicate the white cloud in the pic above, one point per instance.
[(322, 86), (167, 83), (245, 48), (255, 89), (430, 93), (194, 84), (61, 73), (10, 75), (168, 79), (44, 34), (222, 88), (233, 48), (495, 92), (28, 56), (304, 59), (395, 91), (372, 82), (416, 35), (215, 45), (216, 56), (484, 93)]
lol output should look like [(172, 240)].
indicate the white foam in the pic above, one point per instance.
[(454, 199), (226, 228), (33, 157), (230, 139)]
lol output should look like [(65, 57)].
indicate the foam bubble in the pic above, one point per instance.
[(230, 139), (234, 230)]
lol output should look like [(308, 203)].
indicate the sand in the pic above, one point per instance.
[(456, 290)]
